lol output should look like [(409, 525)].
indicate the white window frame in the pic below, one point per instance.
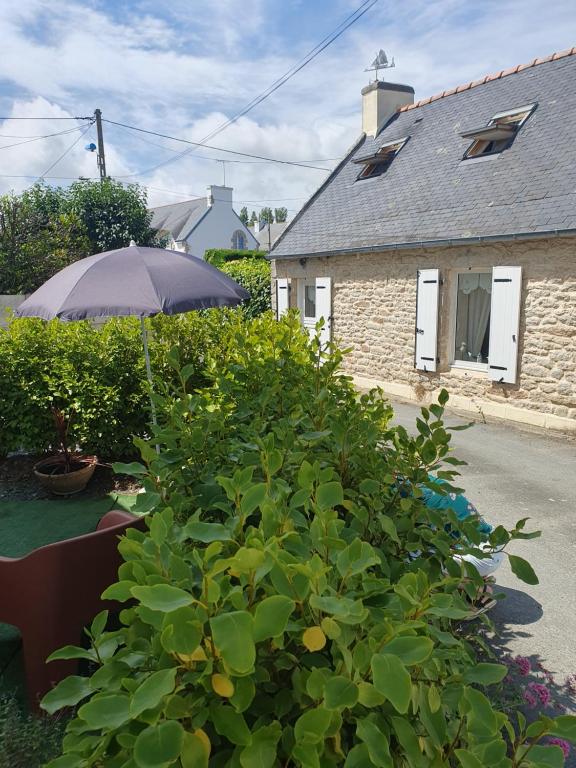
[(309, 322), (463, 364)]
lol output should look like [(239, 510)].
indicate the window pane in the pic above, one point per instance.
[(473, 317), (310, 301)]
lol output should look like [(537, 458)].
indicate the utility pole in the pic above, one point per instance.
[(100, 157)]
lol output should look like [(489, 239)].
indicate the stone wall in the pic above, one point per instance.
[(374, 311)]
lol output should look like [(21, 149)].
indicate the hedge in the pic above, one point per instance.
[(255, 276), (219, 256)]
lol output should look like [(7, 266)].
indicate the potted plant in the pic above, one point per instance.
[(67, 472)]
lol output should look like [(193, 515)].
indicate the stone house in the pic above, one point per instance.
[(194, 226), (442, 249)]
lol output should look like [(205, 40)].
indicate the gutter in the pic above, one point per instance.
[(446, 243)]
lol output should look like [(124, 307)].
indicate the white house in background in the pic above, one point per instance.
[(267, 234), (194, 226)]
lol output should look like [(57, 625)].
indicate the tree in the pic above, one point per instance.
[(253, 218), (267, 215), (281, 214), (112, 213), (244, 216), (37, 238)]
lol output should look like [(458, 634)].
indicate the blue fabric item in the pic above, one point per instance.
[(455, 501)]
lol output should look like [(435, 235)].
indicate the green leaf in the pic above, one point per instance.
[(358, 757), (486, 674), (252, 499), (522, 569), (443, 397), (392, 680), (565, 727), (121, 591), (162, 597), (159, 745), (193, 753), (106, 712), (329, 495), (545, 756), (340, 693), (134, 468), (261, 753), (99, 624), (312, 725), (368, 696), (356, 558), (181, 631), (482, 720), (206, 532), (376, 741), (66, 761), (67, 693), (230, 724), (271, 617), (151, 692), (233, 636), (72, 652), (410, 650), (467, 759)]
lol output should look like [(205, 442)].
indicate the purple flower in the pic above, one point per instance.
[(540, 691), (564, 745), (523, 664), (571, 683), (530, 698)]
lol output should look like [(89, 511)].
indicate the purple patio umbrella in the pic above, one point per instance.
[(133, 281)]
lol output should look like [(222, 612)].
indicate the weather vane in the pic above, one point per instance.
[(380, 62)]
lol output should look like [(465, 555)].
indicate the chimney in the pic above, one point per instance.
[(381, 100), (219, 194)]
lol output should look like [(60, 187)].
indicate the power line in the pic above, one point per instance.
[(310, 56), (208, 146), (66, 151), (219, 159), (91, 117), (46, 136)]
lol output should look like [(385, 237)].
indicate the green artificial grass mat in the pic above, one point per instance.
[(27, 525)]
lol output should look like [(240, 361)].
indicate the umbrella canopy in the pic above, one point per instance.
[(132, 281)]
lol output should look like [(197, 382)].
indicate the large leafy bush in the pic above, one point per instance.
[(255, 276), (94, 375), (294, 603), (220, 256)]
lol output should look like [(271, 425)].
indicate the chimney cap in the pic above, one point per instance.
[(384, 85)]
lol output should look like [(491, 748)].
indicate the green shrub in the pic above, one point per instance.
[(255, 276), (27, 741), (219, 256), (96, 375), (293, 603)]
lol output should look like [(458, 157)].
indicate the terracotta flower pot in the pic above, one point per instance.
[(52, 475)]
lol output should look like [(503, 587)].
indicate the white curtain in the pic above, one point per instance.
[(478, 316), (473, 314)]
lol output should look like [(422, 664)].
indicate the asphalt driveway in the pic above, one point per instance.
[(511, 474)]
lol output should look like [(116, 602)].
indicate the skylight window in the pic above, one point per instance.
[(499, 134), (378, 162)]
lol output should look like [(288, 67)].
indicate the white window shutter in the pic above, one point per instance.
[(282, 297), (426, 345), (504, 323), (324, 306)]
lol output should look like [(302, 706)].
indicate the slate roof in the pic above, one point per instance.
[(268, 234), (430, 194), (179, 219)]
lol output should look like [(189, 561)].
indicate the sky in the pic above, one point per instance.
[(183, 67)]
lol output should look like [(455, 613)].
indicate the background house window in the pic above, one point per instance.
[(239, 241), (472, 337)]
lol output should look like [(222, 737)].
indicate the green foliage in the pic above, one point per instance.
[(46, 228), (266, 215), (255, 276), (27, 741), (95, 376), (112, 213), (281, 214), (294, 601), (220, 256), (244, 216)]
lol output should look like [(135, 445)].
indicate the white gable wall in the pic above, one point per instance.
[(217, 226)]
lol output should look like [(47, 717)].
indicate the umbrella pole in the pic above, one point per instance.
[(149, 374)]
